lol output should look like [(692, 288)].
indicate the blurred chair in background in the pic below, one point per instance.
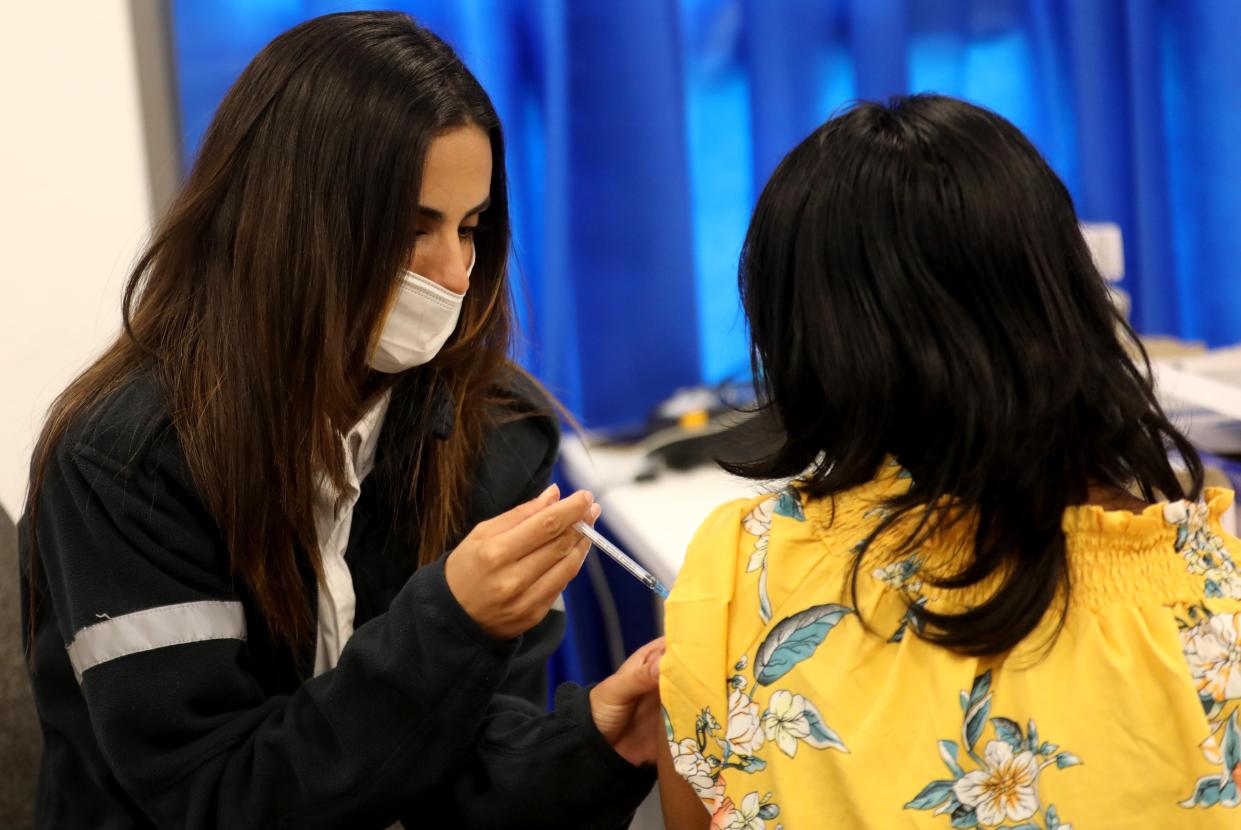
[(20, 742)]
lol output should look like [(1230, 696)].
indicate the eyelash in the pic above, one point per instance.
[(464, 233)]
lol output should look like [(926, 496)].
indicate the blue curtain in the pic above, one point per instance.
[(640, 133)]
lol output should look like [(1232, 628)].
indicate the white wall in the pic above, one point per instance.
[(74, 204)]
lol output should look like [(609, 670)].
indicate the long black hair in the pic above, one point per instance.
[(916, 284)]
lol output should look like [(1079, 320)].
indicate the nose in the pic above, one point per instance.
[(448, 266)]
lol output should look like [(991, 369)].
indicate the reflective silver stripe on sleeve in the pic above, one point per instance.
[(168, 625)]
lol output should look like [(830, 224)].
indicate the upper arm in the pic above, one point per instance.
[(694, 674), (119, 536), (683, 809), (144, 605)]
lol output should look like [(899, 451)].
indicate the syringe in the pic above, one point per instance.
[(642, 574)]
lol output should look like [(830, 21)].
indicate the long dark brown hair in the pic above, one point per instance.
[(256, 303), (916, 284)]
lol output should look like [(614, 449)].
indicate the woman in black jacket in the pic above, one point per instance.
[(240, 609)]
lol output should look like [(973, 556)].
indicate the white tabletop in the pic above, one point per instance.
[(653, 521), (1202, 395)]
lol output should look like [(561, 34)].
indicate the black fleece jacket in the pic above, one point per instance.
[(426, 719)]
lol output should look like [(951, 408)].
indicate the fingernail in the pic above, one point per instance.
[(550, 493), (654, 670), (590, 497), (595, 510)]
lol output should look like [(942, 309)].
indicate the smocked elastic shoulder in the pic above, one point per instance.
[(1156, 521), (1168, 552)]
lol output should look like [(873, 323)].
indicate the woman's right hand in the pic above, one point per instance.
[(509, 570)]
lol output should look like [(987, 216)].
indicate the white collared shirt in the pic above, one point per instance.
[(336, 598)]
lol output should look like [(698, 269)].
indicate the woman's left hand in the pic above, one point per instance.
[(625, 706)]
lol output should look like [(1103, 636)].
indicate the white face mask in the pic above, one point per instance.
[(423, 318)]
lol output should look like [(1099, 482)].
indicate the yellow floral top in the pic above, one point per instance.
[(784, 710)]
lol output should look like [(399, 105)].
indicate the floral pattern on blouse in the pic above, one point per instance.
[(758, 723), (1212, 646), (1003, 790), (999, 773), (904, 575), (1204, 550), (758, 523)]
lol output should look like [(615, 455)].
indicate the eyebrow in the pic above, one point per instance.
[(436, 216)]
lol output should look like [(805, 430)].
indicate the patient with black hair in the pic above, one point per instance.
[(987, 588)]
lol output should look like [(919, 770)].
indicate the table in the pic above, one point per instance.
[(1202, 395)]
